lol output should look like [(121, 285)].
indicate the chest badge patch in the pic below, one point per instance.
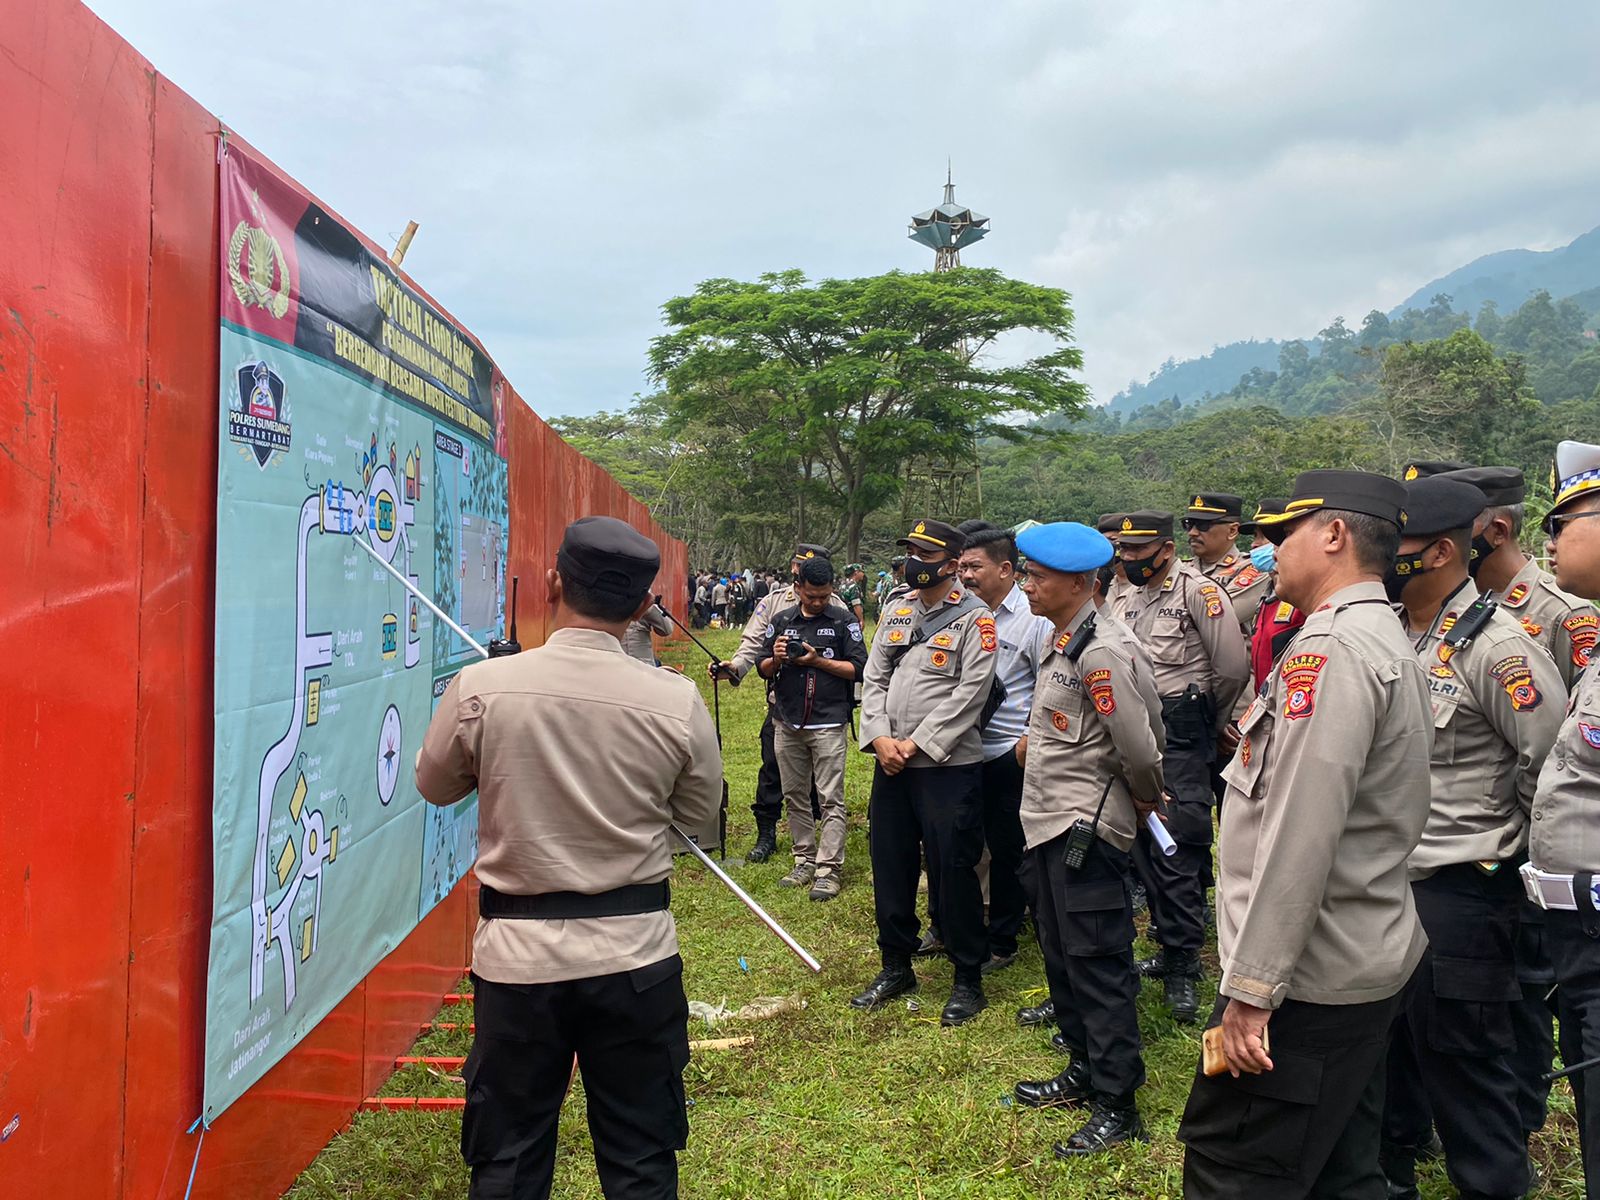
[(1099, 684), (1246, 752), (1059, 720), (939, 658), (943, 639), (902, 612), (1300, 675), (897, 635), (1533, 628), (1591, 734)]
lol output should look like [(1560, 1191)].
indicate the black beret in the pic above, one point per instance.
[(1500, 485), (1140, 528), (934, 535), (608, 555), (1436, 504)]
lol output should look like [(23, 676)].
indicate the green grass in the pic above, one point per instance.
[(829, 1102)]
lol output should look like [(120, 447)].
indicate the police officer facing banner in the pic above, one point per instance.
[(1092, 768), (1316, 927), (581, 757), (1186, 624), (768, 806), (1494, 718), (928, 677), (1564, 842)]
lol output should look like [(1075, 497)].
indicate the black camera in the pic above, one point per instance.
[(1080, 840), (796, 648)]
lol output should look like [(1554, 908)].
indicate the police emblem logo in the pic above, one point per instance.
[(1515, 675), (1059, 720), (1446, 652), (922, 527), (1591, 733), (257, 269), (1443, 672), (943, 639), (986, 634), (897, 635), (1533, 628), (902, 612), (1411, 473), (1582, 628), (1246, 752), (939, 658), (1127, 524), (258, 417), (1300, 673), (1099, 684), (1199, 502), (1213, 602)]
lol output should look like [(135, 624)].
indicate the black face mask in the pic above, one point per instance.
[(1403, 570), (1482, 548), (1140, 570), (921, 574)]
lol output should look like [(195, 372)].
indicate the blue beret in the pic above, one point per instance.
[(1065, 546)]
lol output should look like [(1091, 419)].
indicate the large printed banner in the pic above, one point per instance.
[(355, 418)]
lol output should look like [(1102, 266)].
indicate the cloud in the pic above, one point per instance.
[(1193, 174)]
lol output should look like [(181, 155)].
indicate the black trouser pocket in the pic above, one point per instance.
[(1256, 1122), (674, 1046), (1095, 918), (1468, 1006), (1189, 822)]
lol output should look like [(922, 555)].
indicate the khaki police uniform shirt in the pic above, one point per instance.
[(1495, 714), (1564, 624), (1565, 834), (1327, 797), (581, 756), (940, 685), (1187, 625), (755, 630), (1224, 568), (1095, 719), (1117, 596), (1246, 588)]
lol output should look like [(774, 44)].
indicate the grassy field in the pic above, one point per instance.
[(828, 1102)]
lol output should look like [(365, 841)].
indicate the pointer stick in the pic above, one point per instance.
[(695, 850)]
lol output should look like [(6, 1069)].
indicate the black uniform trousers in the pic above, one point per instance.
[(1307, 1128), (629, 1032), (1084, 919), (1174, 883), (1453, 1042), (939, 810), (769, 784), (1574, 942), (1002, 833), (1532, 1018)]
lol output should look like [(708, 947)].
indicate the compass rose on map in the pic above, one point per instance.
[(389, 754)]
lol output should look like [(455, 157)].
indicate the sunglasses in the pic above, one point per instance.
[(1556, 522), (1190, 524)]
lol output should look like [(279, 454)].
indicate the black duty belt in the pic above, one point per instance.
[(627, 901)]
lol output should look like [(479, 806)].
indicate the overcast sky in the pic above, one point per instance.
[(1192, 173)]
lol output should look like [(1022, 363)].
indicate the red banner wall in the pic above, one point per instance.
[(108, 369)]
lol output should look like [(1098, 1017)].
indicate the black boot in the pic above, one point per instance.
[(892, 981), (766, 843), (1107, 1126), (1154, 967), (931, 945), (1182, 994), (1058, 1043), (1069, 1087), (1399, 1166), (966, 1001), (1039, 1014)]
